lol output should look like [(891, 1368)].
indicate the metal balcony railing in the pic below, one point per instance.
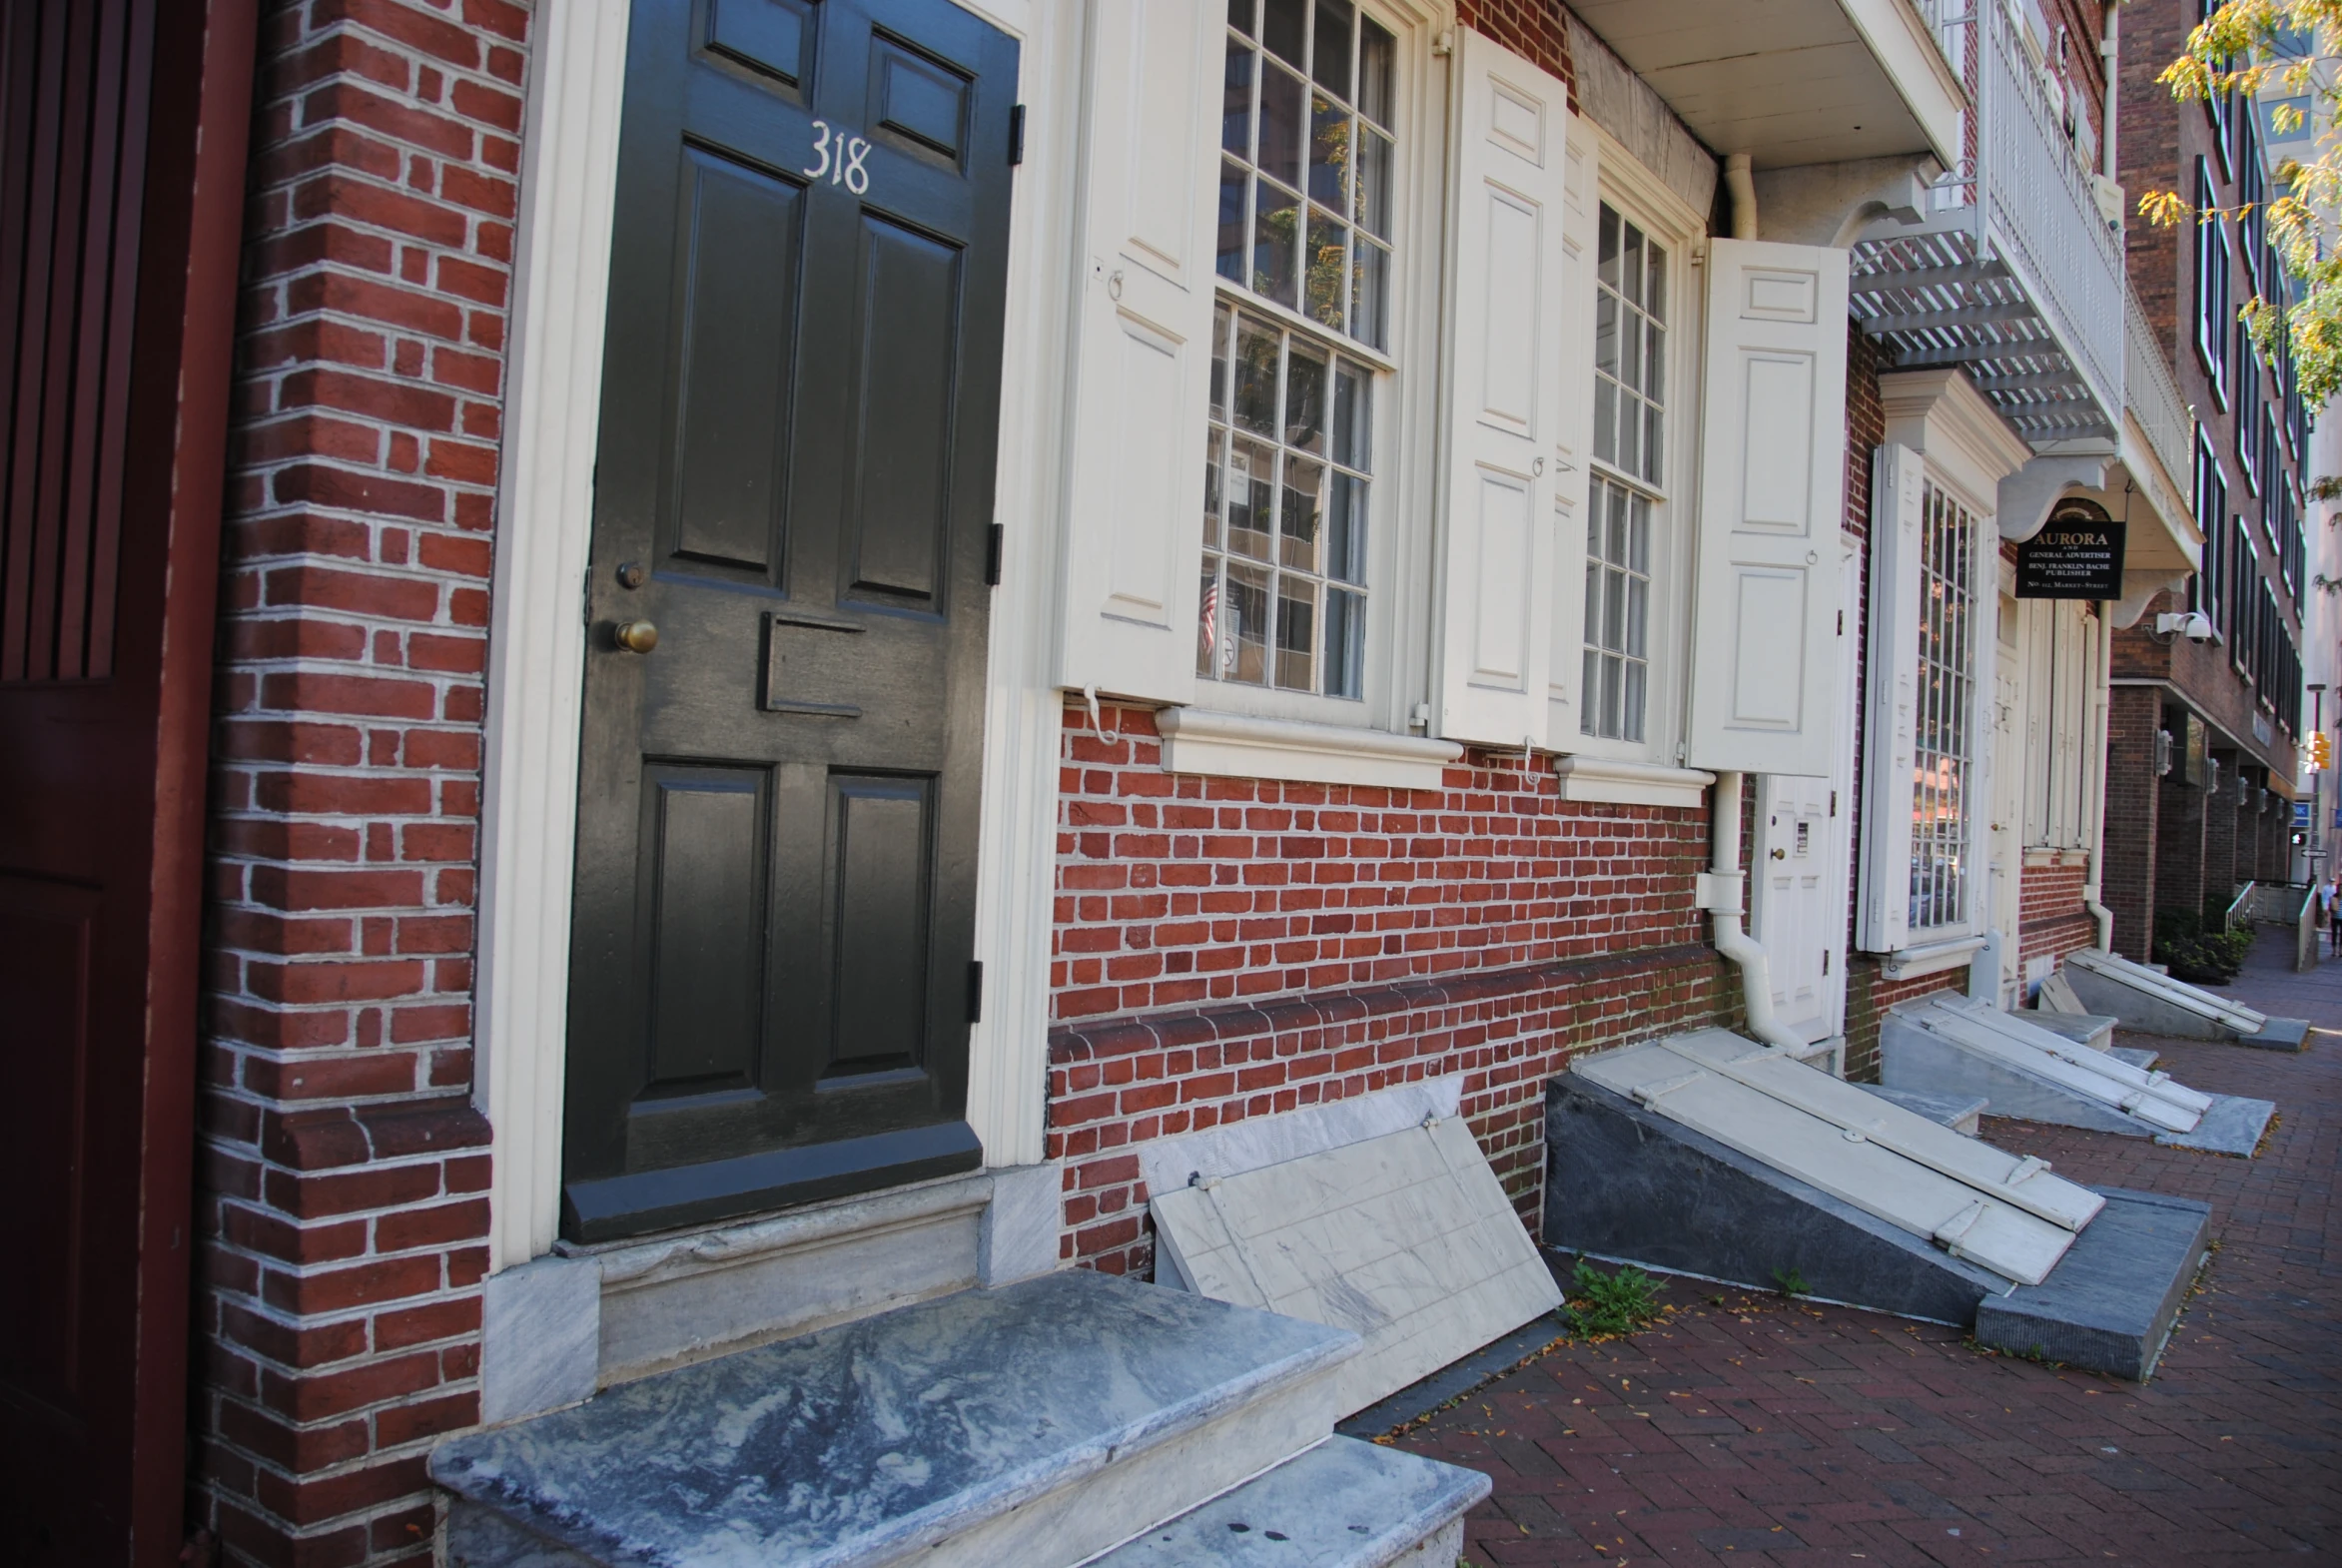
[(2014, 275), (2153, 394), (1948, 22)]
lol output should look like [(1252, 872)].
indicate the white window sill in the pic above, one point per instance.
[(1234, 745), (1616, 782), (1929, 958)]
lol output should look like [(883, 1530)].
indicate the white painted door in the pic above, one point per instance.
[(1799, 912)]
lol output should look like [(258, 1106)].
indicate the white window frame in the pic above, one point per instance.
[(1404, 471), (1940, 434), (1643, 199)]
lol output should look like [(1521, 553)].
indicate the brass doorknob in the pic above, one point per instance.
[(636, 636)]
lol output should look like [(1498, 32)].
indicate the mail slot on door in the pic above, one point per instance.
[(809, 658)]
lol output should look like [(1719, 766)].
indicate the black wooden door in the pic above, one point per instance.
[(777, 811)]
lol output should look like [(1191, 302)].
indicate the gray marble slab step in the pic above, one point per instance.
[(2233, 1126), (2110, 1304), (1343, 1504), (1036, 1425), (2143, 1057)]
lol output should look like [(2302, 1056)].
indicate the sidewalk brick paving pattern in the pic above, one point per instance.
[(1768, 1432)]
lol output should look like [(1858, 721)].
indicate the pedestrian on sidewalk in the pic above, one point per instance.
[(2330, 909)]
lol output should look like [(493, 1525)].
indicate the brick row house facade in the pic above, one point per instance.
[(833, 619), (2209, 712)]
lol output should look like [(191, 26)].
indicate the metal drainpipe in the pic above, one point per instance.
[(2104, 700), (1741, 183), (1736, 947)]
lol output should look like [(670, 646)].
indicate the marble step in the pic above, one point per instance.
[(1342, 1504), (1036, 1425)]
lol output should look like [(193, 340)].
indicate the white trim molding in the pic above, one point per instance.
[(1929, 958), (1235, 745), (1940, 415), (1615, 781), (537, 665)]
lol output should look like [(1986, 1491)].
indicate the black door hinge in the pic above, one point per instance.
[(975, 991), (994, 542), (1016, 135)]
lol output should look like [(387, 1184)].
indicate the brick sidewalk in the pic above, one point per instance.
[(1759, 1431)]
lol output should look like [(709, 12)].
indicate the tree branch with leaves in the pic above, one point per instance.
[(2243, 49)]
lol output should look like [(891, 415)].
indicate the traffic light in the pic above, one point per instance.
[(2321, 752)]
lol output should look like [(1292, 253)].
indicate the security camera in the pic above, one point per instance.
[(2194, 624)]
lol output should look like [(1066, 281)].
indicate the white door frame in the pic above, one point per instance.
[(537, 636)]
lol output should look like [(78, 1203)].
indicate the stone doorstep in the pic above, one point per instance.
[(1035, 1424), (2110, 1303), (1342, 1504), (2233, 1126), (2280, 1033)]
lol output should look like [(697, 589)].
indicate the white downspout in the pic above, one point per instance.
[(1722, 900), (2102, 699), (1741, 184)]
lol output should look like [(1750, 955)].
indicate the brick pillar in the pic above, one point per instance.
[(345, 1170), (2180, 847), (2228, 850), (2127, 877)]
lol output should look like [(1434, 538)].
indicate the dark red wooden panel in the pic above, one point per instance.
[(121, 187)]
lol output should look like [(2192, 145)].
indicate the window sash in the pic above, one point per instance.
[(1944, 756), (1288, 490)]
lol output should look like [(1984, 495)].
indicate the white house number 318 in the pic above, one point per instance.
[(840, 157)]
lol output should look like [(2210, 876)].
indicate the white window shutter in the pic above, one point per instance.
[(1897, 497), (1771, 500), (1574, 437), (1142, 356), (1505, 406)]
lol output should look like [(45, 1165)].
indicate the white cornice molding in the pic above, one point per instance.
[(1940, 415), (1616, 782), (1235, 745)]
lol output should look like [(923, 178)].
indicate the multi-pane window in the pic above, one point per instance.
[(2241, 571), (2211, 505), (1630, 350), (1618, 610), (1308, 160), (1289, 460), (1630, 450), (2248, 401), (1943, 763), (2212, 315)]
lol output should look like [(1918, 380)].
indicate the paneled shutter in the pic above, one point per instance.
[(1135, 539), (1771, 500), (1505, 403), (1897, 497), (1574, 437)]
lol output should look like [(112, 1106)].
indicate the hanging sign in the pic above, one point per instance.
[(2076, 555)]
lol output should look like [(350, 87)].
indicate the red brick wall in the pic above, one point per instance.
[(1536, 30), (2126, 881), (1228, 948), (345, 1170), (2051, 918), (1181, 891)]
